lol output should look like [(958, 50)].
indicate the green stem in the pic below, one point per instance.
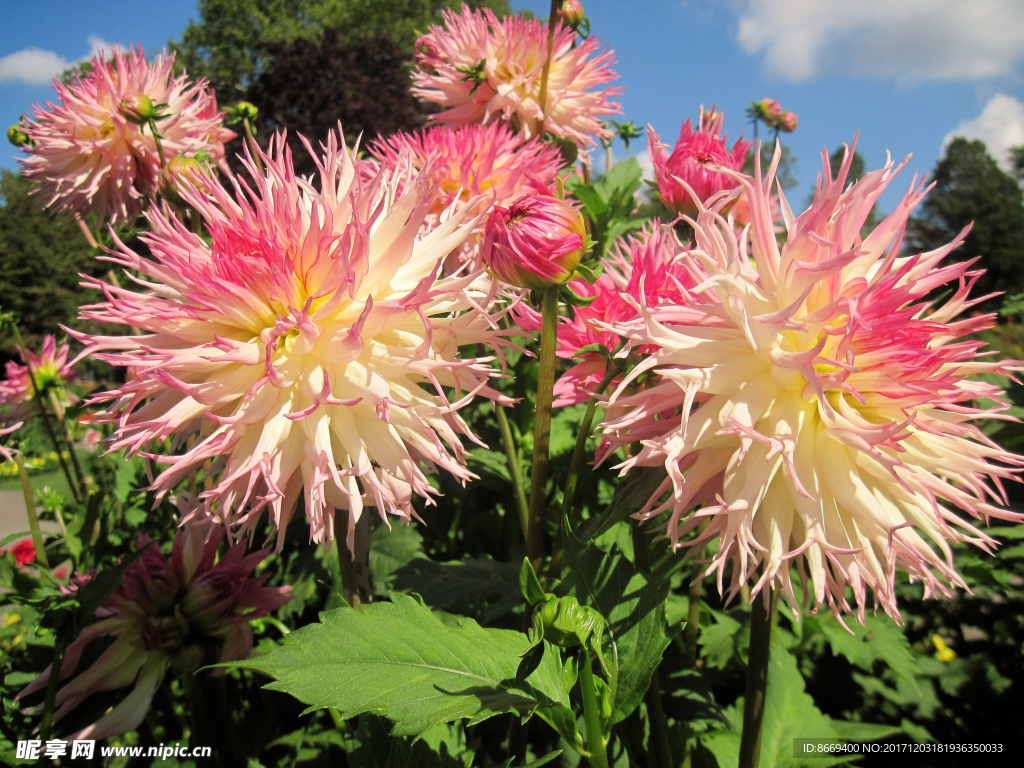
[(757, 678), (46, 725), (542, 428), (596, 750), (159, 144), (512, 458), (692, 628), (196, 220), (546, 72), (354, 566), (661, 749), (30, 510), (50, 431), (58, 411)]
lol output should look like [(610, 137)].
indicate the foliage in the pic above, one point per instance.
[(970, 189)]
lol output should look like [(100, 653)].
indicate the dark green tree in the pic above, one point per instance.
[(41, 257), (313, 85), (229, 44), (970, 187), (1017, 162)]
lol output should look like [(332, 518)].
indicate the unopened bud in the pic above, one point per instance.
[(788, 122), (138, 108), (16, 136), (769, 109), (243, 110), (571, 13), (535, 243), (179, 169)]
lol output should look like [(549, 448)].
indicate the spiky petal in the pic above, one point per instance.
[(480, 69), (310, 350), (86, 156), (53, 374), (815, 402)]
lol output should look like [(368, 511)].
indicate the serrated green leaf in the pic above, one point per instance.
[(636, 632), (443, 746), (400, 661), (482, 588), (879, 639), (391, 549)]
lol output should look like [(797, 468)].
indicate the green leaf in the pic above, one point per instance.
[(628, 499), (391, 549), (538, 762), (443, 746), (529, 584), (482, 587), (880, 639), (400, 661), (636, 632), (789, 713)]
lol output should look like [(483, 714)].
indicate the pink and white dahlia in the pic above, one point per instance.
[(483, 164), (480, 69), (179, 615), (311, 349), (53, 374), (650, 263), (816, 401), (697, 168), (87, 156)]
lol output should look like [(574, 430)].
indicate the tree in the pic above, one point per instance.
[(229, 46), (970, 187), (41, 257), (313, 85)]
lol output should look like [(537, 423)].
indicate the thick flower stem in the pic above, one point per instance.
[(58, 411), (158, 142), (46, 724), (355, 566), (661, 748), (30, 510), (50, 431), (253, 147), (542, 428), (512, 458), (89, 237), (757, 677), (546, 72), (596, 749), (692, 628)]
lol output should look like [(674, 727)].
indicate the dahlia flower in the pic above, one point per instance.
[(53, 374), (536, 243), (686, 177), (816, 401), (86, 156), (480, 68), (309, 350), (648, 262), (165, 615), (477, 163)]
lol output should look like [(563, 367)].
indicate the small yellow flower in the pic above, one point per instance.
[(943, 652)]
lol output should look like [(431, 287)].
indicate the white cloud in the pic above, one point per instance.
[(1000, 125), (909, 40), (34, 66)]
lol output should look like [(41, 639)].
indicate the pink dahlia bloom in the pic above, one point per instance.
[(698, 165), (88, 157), (650, 263), (165, 615), (480, 68), (53, 373), (482, 164), (816, 403), (310, 350), (536, 242)]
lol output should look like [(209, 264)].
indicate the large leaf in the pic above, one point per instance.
[(636, 631), (482, 588), (789, 713), (390, 549), (443, 746), (400, 661)]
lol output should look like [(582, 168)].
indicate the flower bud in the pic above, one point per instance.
[(182, 168), (535, 243), (243, 110), (138, 108), (769, 110), (571, 13), (788, 122), (16, 136)]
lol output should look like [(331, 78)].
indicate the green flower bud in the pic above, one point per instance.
[(138, 108), (16, 136)]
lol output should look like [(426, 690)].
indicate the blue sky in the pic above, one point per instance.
[(905, 73)]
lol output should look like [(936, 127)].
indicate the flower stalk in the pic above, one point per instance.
[(512, 458), (30, 511), (46, 723), (762, 617), (556, 6), (542, 427), (596, 750)]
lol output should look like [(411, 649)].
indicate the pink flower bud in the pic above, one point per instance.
[(571, 13), (788, 122), (769, 110), (535, 243), (138, 108)]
